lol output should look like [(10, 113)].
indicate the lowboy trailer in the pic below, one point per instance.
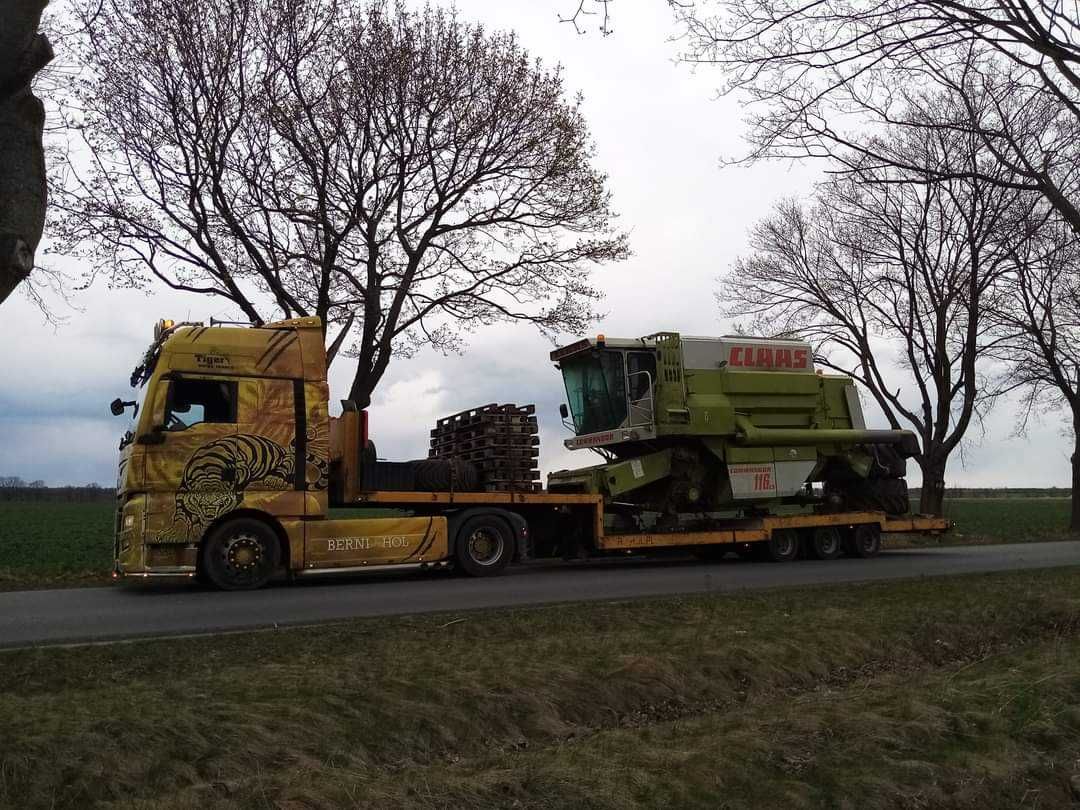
[(233, 471)]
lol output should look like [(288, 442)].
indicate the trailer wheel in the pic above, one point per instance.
[(241, 555), (782, 545), (866, 540), (826, 543), (484, 546)]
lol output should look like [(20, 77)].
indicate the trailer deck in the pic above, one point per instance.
[(732, 532)]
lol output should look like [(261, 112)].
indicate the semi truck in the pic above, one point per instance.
[(233, 471)]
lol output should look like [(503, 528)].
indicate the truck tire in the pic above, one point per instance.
[(484, 546), (865, 541), (825, 543), (782, 545), (240, 555)]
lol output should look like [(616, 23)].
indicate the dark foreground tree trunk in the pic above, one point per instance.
[(932, 497), (1074, 513), (23, 52)]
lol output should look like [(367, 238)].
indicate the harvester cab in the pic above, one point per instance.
[(611, 389)]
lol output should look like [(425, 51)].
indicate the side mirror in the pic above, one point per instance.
[(118, 405), (564, 412)]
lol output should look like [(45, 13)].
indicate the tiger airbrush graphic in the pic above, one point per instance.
[(217, 475)]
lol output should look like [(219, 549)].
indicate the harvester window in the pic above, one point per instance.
[(192, 402), (596, 390)]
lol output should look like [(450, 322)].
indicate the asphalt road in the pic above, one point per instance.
[(103, 614)]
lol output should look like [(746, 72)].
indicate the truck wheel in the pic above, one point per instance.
[(782, 545), (484, 546), (825, 543), (866, 540), (241, 555)]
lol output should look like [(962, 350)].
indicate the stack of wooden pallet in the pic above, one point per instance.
[(501, 441)]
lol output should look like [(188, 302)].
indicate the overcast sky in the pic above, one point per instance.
[(660, 133)]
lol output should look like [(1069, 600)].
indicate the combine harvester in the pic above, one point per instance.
[(232, 468)]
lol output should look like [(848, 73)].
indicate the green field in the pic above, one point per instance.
[(1003, 520), (71, 543), (959, 692), (44, 543)]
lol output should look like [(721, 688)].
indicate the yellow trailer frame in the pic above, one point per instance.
[(743, 530)]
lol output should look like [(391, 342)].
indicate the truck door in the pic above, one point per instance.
[(186, 476), (273, 481)]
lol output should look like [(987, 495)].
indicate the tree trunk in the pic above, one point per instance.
[(361, 391), (1074, 514), (23, 52), (932, 497)]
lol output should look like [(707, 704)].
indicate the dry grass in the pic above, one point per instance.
[(951, 692)]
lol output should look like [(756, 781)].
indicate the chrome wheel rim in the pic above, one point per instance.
[(784, 544), (485, 546), (829, 543), (244, 556)]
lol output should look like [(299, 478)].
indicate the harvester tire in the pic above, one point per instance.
[(446, 475), (484, 546), (889, 495), (825, 543), (782, 545), (241, 555), (865, 541)]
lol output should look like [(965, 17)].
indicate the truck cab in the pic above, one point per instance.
[(225, 470)]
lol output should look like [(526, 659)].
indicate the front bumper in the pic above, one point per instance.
[(133, 558)]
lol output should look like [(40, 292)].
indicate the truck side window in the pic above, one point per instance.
[(193, 402)]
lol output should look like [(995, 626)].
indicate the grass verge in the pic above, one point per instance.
[(950, 692)]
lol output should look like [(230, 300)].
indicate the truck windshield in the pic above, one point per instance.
[(596, 389)]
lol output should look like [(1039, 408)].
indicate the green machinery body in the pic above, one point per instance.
[(740, 424)]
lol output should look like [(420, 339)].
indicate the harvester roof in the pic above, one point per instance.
[(737, 352)]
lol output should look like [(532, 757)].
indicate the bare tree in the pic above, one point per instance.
[(23, 52), (886, 271), (1040, 314), (403, 176), (820, 74)]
